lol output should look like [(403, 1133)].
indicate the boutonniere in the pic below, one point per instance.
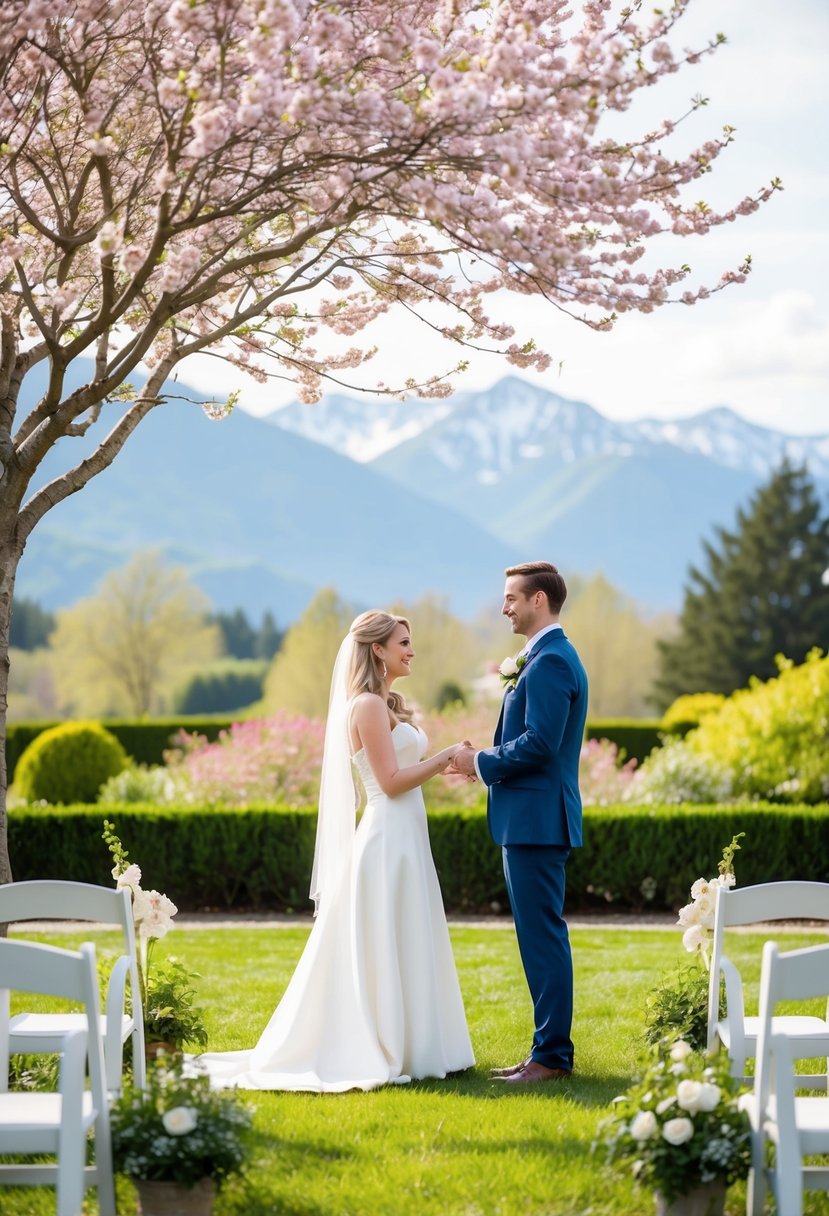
[(510, 670)]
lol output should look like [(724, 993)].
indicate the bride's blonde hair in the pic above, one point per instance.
[(365, 673)]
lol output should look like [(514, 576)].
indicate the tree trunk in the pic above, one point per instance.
[(9, 559)]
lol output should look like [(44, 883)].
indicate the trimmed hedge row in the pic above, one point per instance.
[(636, 737), (147, 741), (261, 857)]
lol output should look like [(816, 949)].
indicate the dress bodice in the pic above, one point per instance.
[(409, 743)]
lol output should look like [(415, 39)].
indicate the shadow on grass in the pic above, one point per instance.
[(582, 1089)]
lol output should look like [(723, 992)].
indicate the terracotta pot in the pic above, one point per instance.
[(707, 1199), (154, 1046), (173, 1199)]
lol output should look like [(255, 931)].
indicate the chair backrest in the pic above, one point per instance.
[(797, 975), (750, 905), (50, 971), (47, 899)]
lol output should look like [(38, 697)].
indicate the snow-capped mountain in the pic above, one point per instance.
[(360, 429), (513, 422)]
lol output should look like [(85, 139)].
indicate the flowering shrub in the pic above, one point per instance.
[(680, 1125), (772, 738), (690, 709), (178, 1130), (677, 773), (275, 759), (140, 783), (603, 781)]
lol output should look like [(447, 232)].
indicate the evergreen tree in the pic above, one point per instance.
[(268, 639), (30, 625), (763, 594), (238, 634)]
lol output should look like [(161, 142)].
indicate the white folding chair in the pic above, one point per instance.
[(36, 1033), (746, 906), (58, 1123), (797, 1127)]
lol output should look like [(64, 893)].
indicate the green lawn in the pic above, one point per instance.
[(462, 1147)]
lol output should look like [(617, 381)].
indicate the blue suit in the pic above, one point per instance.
[(534, 812)]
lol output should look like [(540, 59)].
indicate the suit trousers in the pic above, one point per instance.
[(535, 884)]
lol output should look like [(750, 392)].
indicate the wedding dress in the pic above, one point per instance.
[(375, 996)]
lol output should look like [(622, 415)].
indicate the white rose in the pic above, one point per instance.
[(664, 1105), (509, 667), (681, 1050), (709, 1097), (678, 1131), (688, 1094), (644, 1125), (180, 1120)]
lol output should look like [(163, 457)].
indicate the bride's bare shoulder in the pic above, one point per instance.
[(369, 709)]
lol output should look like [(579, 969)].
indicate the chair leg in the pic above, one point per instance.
[(756, 1185), (103, 1166), (788, 1191)]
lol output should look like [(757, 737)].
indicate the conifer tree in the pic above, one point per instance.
[(764, 593)]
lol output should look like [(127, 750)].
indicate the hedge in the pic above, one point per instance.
[(636, 737), (146, 741), (261, 858)]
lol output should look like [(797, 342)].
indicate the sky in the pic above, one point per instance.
[(761, 348)]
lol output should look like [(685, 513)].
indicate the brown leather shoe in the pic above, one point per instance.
[(500, 1073), (533, 1072)]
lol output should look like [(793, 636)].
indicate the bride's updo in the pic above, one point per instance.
[(365, 673)]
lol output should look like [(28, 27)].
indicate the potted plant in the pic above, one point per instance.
[(681, 1131), (178, 1140)]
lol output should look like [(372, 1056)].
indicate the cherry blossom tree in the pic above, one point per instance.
[(264, 178)]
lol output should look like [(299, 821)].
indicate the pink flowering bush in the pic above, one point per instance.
[(603, 780), (275, 759)]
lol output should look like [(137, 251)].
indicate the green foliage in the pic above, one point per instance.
[(677, 1007), (226, 685), (242, 640), (261, 857), (687, 711), (178, 1130), (136, 783), (773, 738), (448, 694), (30, 625), (170, 1015), (761, 595), (635, 737), (294, 681), (69, 763)]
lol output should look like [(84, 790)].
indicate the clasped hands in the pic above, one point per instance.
[(463, 761)]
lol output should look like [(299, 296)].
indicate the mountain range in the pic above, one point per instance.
[(388, 500)]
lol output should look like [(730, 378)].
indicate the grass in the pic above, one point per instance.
[(465, 1146)]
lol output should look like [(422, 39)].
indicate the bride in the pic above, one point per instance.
[(375, 996)]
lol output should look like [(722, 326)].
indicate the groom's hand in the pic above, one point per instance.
[(463, 761)]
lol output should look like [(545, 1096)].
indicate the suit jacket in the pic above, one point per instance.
[(532, 772)]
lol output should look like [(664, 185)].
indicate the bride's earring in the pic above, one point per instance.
[(385, 669)]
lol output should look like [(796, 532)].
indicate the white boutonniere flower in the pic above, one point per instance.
[(510, 670)]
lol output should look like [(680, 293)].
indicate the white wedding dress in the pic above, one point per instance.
[(375, 996)]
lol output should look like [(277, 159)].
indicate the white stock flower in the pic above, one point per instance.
[(681, 1050), (678, 1131), (701, 887), (727, 880), (130, 878), (180, 1120), (153, 913), (689, 915), (695, 938), (644, 1125), (509, 667)]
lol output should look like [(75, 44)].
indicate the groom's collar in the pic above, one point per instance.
[(536, 638)]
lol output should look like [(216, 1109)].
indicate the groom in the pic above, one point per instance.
[(534, 806)]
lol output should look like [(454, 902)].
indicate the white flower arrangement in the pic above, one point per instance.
[(696, 919)]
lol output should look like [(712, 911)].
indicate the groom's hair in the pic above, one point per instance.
[(541, 576)]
